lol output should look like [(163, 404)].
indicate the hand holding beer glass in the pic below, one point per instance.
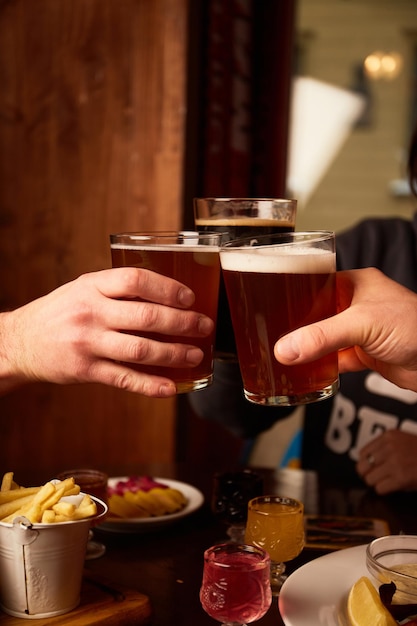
[(235, 218), (192, 259), (275, 284)]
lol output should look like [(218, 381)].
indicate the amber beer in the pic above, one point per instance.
[(194, 262), (273, 289), (237, 218)]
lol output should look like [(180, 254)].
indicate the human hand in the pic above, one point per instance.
[(80, 332), (374, 329), (389, 462)]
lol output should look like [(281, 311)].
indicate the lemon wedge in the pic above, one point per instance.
[(364, 606)]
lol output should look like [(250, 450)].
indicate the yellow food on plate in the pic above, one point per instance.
[(364, 606), (142, 497), (46, 504)]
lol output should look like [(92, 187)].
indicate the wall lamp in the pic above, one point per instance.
[(383, 65)]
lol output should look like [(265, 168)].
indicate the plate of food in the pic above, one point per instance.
[(316, 593), (144, 503), (337, 589)]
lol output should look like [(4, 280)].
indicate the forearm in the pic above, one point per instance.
[(96, 329), (10, 376)]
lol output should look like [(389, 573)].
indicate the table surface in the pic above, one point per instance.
[(166, 564)]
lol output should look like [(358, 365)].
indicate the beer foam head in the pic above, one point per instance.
[(186, 246), (279, 260), (244, 221)]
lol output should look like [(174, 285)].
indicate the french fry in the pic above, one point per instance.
[(40, 503), (64, 508), (48, 517), (86, 511), (86, 508), (86, 501), (61, 518), (7, 481), (10, 508), (43, 504), (16, 494), (74, 491), (53, 498), (67, 485), (80, 512), (45, 493), (33, 513)]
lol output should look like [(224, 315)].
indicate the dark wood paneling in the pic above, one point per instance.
[(240, 69), (92, 115)]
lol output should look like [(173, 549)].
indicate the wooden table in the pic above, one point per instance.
[(166, 565)]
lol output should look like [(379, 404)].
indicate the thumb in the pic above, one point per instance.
[(316, 340)]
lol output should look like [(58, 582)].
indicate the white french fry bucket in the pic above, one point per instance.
[(41, 565)]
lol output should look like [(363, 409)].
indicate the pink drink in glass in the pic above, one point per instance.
[(236, 587)]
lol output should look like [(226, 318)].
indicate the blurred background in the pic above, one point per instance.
[(370, 49), (114, 115)]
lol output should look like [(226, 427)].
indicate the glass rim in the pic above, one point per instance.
[(248, 199), (230, 547), (373, 555), (162, 233), (150, 237), (237, 474), (277, 499), (297, 238), (92, 477)]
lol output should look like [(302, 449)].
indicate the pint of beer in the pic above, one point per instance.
[(192, 259), (235, 218), (274, 285)]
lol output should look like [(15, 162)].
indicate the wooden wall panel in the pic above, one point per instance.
[(91, 142), (239, 95)]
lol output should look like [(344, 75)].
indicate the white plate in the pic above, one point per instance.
[(316, 593), (143, 524)]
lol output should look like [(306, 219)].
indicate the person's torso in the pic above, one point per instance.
[(367, 404)]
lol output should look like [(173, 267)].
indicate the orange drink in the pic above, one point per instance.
[(276, 524)]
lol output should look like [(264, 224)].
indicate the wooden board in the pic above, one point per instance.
[(102, 603)]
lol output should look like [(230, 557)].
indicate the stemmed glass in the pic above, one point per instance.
[(235, 589), (230, 496), (276, 524)]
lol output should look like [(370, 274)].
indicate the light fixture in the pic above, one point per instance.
[(383, 65), (322, 118)]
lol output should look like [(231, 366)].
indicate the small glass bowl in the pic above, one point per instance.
[(394, 559)]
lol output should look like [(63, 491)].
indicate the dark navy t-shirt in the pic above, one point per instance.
[(367, 404)]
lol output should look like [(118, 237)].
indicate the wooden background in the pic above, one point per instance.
[(104, 124), (92, 113)]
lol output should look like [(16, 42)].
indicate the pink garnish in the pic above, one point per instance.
[(135, 483)]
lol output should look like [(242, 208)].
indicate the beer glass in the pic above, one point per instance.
[(275, 284), (236, 218), (192, 259)]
